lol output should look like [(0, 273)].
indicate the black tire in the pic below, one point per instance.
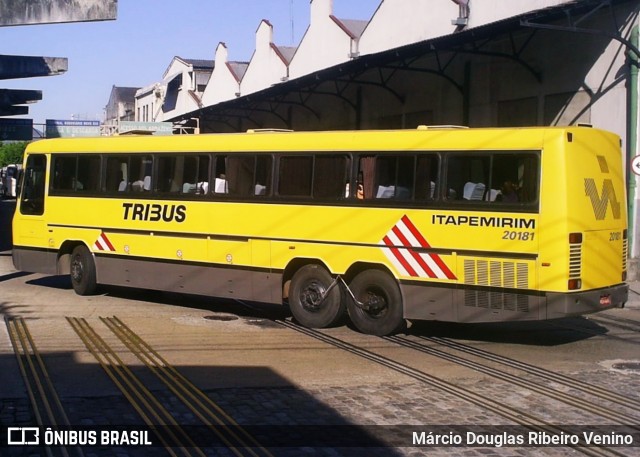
[(378, 289), (307, 286), (83, 271)]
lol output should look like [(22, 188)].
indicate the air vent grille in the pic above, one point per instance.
[(496, 273), (575, 260)]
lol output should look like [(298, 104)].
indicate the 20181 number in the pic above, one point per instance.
[(518, 236)]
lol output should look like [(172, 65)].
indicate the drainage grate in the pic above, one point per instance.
[(266, 323), (221, 317), (635, 366)]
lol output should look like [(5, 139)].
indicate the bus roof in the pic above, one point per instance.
[(430, 138)]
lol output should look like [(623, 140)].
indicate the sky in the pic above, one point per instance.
[(136, 48)]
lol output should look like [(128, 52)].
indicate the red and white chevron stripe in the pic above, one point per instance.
[(103, 243), (399, 243)]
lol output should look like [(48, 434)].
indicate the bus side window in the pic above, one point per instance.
[(202, 175), (220, 172), (165, 170), (295, 176), (263, 174), (426, 177), (246, 175), (467, 177), (64, 172), (240, 173), (141, 167), (116, 174), (189, 175), (88, 174), (366, 177), (515, 178), (387, 177), (320, 176), (330, 176)]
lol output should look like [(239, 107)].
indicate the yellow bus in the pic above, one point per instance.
[(436, 223)]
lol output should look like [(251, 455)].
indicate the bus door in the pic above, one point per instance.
[(32, 198), (29, 226)]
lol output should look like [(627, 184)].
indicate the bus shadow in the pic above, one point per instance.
[(242, 309), (14, 275), (215, 305), (61, 282), (535, 333)]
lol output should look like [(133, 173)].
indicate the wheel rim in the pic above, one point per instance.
[(311, 296), (376, 301), (77, 269)]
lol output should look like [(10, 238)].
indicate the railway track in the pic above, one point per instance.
[(547, 375), (234, 437), (532, 385), (175, 439), (616, 321), (173, 436), (178, 442), (628, 325), (134, 390), (486, 401), (45, 402)]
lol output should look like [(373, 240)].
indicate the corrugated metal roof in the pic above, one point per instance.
[(451, 42), (124, 93), (200, 64)]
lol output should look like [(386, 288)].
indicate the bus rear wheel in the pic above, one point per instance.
[(308, 306), (83, 271), (380, 310)]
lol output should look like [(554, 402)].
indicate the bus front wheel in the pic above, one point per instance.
[(379, 311), (83, 271), (310, 303)]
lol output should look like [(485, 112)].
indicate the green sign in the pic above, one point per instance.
[(72, 128), (158, 128)]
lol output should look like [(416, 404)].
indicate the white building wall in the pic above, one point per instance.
[(186, 101), (223, 84), (399, 22), (323, 45), (486, 11), (148, 103), (266, 67)]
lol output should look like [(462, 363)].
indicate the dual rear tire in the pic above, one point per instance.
[(313, 302), (379, 311), (310, 303)]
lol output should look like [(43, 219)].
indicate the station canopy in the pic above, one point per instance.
[(322, 94)]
